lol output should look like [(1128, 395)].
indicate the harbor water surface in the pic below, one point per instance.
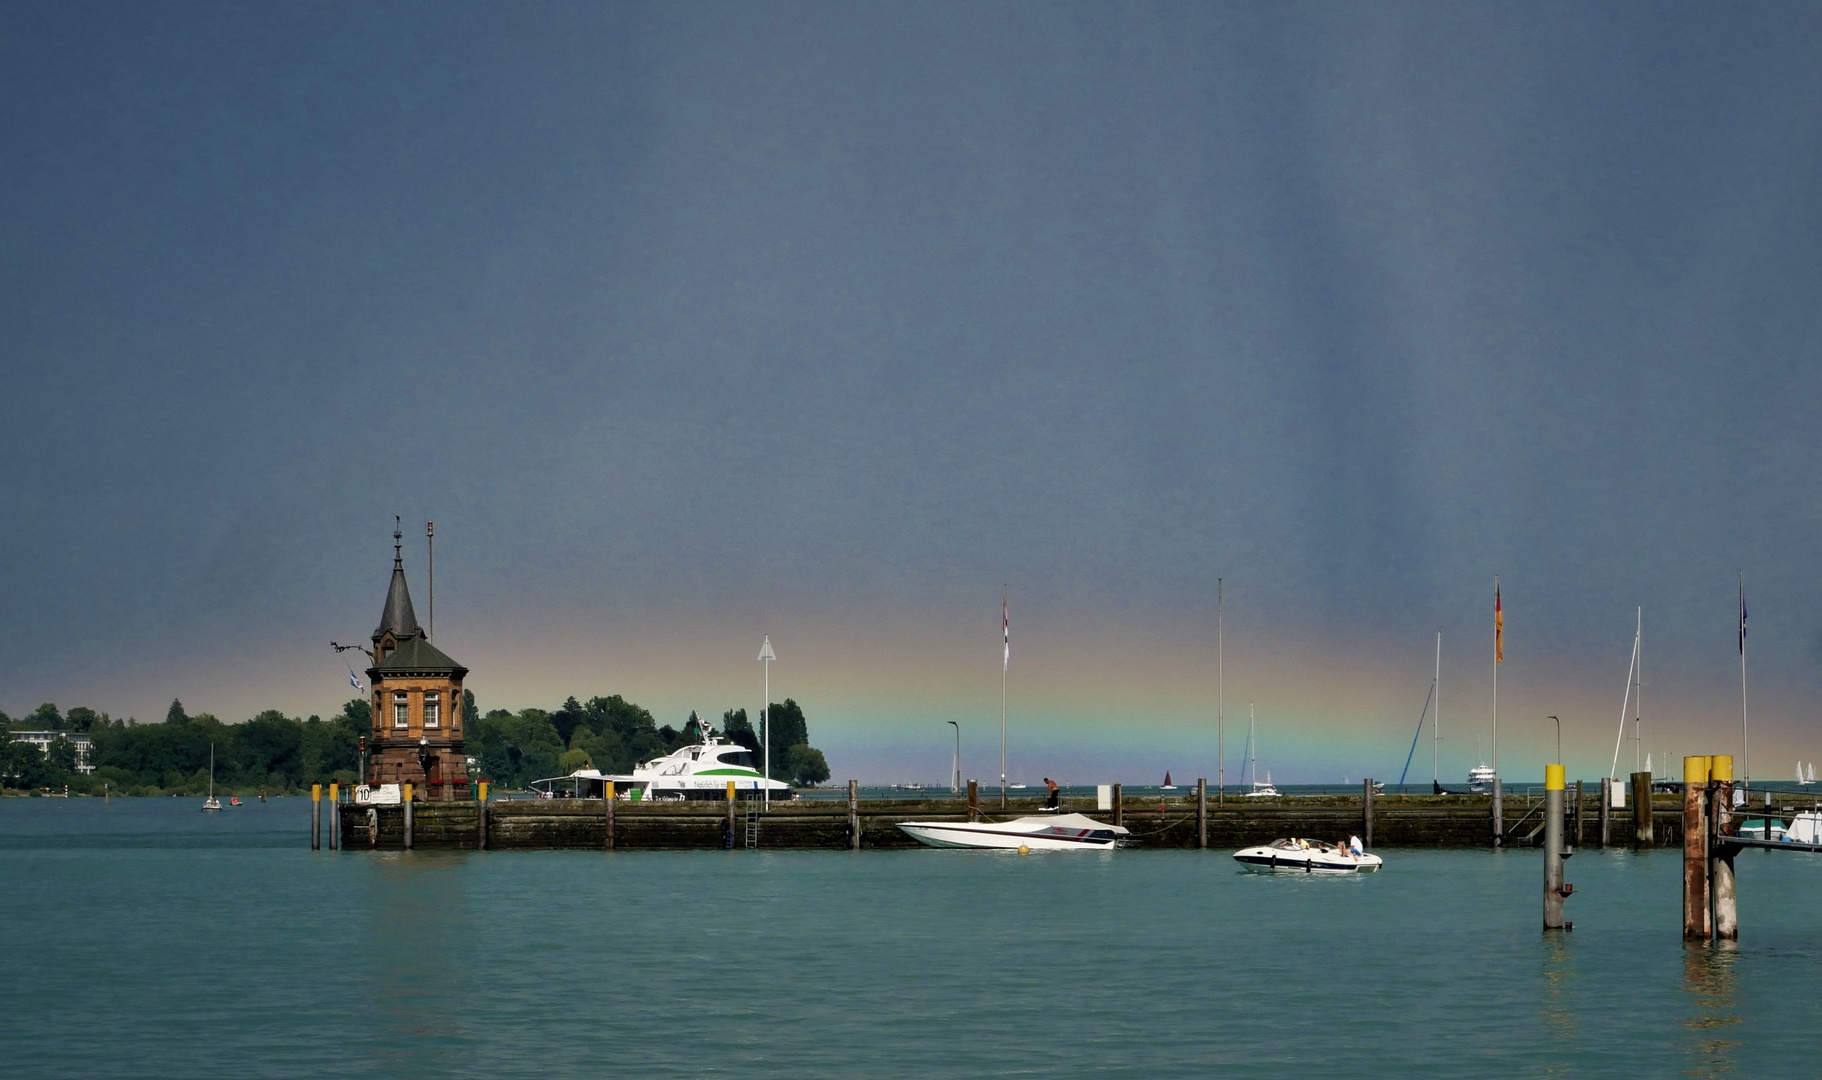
[(144, 938)]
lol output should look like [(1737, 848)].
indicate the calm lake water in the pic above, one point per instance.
[(144, 938)]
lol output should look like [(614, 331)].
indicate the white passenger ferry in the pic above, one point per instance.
[(701, 771)]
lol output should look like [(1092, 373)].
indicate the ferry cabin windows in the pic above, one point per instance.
[(744, 759), (433, 707), (401, 709)]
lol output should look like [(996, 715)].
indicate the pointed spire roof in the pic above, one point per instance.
[(398, 616)]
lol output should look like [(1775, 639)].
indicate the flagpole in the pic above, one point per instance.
[(1220, 689), (1745, 747), (1005, 662)]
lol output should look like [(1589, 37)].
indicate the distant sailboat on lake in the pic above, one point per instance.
[(211, 804)]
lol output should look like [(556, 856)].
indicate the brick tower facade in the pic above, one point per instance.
[(417, 702)]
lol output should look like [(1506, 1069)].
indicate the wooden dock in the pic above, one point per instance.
[(1399, 821)]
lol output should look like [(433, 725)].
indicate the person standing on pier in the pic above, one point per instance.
[(1050, 786)]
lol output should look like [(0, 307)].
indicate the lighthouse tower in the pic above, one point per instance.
[(417, 700)]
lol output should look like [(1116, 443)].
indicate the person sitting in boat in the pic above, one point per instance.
[(1050, 786), (1354, 847)]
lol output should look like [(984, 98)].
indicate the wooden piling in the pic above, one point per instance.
[(480, 816), (1366, 814), (853, 815), (607, 799), (405, 791), (335, 817), (1724, 912), (1554, 890), (316, 817), (1695, 848), (1498, 809), (1202, 813), (1606, 810), (974, 800), (1575, 833), (1119, 814), (1642, 831), (728, 836)]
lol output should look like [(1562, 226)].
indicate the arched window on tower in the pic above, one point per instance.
[(433, 709), (401, 709)]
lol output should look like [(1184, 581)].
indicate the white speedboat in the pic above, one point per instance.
[(1062, 832), (701, 771), (1306, 857)]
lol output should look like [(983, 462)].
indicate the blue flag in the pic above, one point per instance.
[(352, 681)]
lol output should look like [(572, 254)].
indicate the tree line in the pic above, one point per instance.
[(279, 754)]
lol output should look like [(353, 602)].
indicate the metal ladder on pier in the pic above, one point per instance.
[(752, 832)]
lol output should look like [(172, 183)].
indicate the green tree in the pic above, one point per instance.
[(82, 719), (44, 718), (572, 760), (266, 747), (61, 757), (516, 749), (739, 729), (175, 715), (568, 718), (808, 766)]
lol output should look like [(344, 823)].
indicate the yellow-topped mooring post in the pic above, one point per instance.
[(607, 797), (1696, 920), (1554, 888), (480, 816), (1723, 910), (316, 817), (405, 795), (335, 817), (728, 837)]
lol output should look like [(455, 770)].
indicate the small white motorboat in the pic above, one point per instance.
[(1063, 832), (1306, 857)]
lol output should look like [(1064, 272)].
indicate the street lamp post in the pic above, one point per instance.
[(766, 656), (955, 784)]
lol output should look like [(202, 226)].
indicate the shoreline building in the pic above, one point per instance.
[(44, 740), (416, 695)]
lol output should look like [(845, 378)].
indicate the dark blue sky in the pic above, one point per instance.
[(767, 307)]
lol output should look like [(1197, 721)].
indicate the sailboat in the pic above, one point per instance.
[(1801, 781), (1168, 786), (1259, 791), (211, 803)]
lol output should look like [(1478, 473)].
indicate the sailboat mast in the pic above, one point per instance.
[(1638, 661), (1745, 746), (1436, 718), (1220, 691), (1498, 644), (1252, 743)]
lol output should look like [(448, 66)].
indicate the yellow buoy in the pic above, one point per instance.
[(1023, 850)]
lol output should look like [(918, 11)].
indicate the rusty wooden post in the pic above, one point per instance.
[(335, 817), (607, 798), (1607, 786), (1119, 815), (1554, 889), (853, 815), (1366, 814), (405, 790), (1202, 812), (727, 839), (480, 816), (316, 817), (1643, 834), (974, 800), (1724, 912), (1695, 848)]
